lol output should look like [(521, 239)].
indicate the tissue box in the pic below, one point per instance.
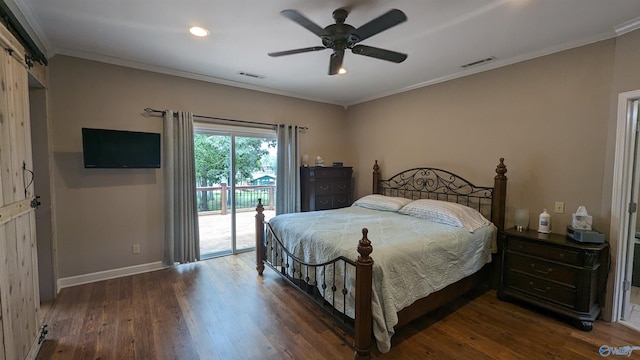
[(585, 236), (581, 222)]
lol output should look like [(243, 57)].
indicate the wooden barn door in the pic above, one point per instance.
[(19, 293)]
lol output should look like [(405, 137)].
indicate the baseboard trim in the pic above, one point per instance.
[(35, 349), (109, 274)]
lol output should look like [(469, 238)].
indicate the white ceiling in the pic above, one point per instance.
[(439, 36)]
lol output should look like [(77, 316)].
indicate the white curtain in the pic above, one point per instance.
[(182, 243), (288, 177)]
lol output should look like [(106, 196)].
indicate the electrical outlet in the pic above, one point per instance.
[(559, 207), (136, 248)]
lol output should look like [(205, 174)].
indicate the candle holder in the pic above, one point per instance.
[(522, 219)]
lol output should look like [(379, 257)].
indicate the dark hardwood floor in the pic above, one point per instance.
[(221, 309)]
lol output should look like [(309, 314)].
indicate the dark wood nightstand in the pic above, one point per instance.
[(555, 273), (324, 188)]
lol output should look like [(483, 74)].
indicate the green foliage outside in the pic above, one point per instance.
[(213, 163), (213, 166)]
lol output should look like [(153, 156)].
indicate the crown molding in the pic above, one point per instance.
[(185, 74), (494, 65), (629, 26)]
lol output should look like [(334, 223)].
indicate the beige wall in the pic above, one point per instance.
[(551, 118), (547, 117), (102, 212)]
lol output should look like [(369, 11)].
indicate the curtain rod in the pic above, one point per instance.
[(152, 112)]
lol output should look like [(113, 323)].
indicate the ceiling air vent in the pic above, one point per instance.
[(479, 62), (250, 75)]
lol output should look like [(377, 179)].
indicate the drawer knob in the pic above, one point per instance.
[(324, 187), (545, 272), (544, 291)]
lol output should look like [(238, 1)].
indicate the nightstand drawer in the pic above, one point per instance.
[(541, 268), (565, 256), (566, 296)]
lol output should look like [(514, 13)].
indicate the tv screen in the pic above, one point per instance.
[(112, 149)]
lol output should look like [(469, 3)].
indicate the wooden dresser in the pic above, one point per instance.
[(324, 188), (555, 273)]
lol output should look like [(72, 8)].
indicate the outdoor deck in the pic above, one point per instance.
[(215, 231)]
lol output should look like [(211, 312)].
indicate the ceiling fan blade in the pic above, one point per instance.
[(296, 51), (336, 62), (377, 53), (381, 23), (303, 21)]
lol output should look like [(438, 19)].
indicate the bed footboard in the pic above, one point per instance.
[(303, 276)]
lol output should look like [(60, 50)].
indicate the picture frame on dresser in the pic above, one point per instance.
[(553, 272)]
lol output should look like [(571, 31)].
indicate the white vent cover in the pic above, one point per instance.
[(242, 73), (478, 62)]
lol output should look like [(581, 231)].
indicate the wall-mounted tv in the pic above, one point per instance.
[(114, 149)]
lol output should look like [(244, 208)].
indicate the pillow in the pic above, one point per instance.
[(447, 213), (382, 202)]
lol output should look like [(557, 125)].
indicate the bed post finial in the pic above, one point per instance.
[(501, 169), (363, 294), (376, 178), (499, 195), (259, 237), (364, 248)]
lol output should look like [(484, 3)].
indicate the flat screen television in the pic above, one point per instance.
[(115, 149)]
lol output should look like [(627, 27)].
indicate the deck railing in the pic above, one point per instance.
[(218, 198)]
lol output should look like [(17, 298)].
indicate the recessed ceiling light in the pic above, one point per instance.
[(198, 31), (342, 71)]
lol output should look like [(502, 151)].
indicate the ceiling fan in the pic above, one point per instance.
[(341, 36)]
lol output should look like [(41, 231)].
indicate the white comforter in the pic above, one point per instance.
[(413, 257)]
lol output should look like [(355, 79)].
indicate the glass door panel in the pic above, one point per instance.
[(255, 169), (226, 204), (213, 166)]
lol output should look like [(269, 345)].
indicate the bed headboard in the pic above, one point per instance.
[(437, 184)]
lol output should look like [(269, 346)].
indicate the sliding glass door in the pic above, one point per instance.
[(234, 168)]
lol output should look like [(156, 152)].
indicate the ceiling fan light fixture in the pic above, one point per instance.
[(198, 31), (342, 71), (341, 36)]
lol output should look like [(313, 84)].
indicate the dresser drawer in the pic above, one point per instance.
[(340, 201), (330, 173), (541, 268), (340, 187), (565, 296), (324, 203), (324, 188), (563, 255)]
